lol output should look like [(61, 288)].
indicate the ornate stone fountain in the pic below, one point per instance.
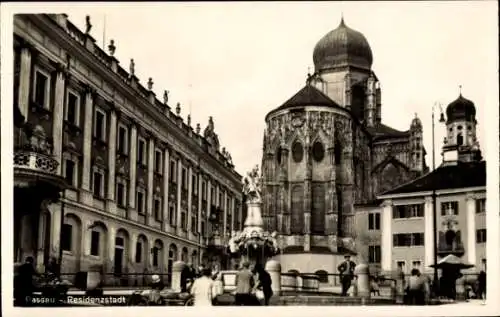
[(253, 244)]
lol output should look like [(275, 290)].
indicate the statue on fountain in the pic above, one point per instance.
[(253, 243)]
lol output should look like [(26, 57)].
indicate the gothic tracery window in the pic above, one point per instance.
[(297, 152), (318, 151)]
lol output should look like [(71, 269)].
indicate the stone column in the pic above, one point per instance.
[(209, 196), (111, 203), (151, 166), (285, 203), (133, 172), (386, 229), (179, 189), (307, 197), (200, 198), (363, 282), (471, 229), (331, 215), (428, 233), (233, 215), (55, 235), (274, 269), (166, 172), (224, 221), (24, 81), (177, 268), (58, 115), (190, 198), (110, 257), (132, 247), (87, 144), (347, 189), (42, 244)]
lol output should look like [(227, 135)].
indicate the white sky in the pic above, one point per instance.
[(244, 59)]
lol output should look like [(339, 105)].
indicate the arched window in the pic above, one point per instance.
[(297, 152), (278, 155), (323, 276), (337, 153), (318, 151), (460, 139), (184, 255)]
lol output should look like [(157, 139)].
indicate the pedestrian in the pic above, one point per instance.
[(416, 288), (481, 283), (346, 270), (187, 277), (202, 289), (263, 283), (24, 282), (156, 287), (244, 285), (52, 268)]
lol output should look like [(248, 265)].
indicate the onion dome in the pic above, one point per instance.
[(342, 47), (416, 123), (461, 109)]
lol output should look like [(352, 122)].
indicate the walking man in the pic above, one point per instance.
[(346, 270), (244, 285)]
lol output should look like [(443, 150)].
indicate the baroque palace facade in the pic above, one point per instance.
[(145, 187), (326, 153)]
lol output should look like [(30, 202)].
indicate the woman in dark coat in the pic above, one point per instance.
[(264, 283)]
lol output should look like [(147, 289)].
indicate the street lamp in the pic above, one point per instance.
[(434, 212)]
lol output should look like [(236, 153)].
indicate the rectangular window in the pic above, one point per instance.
[(140, 203), (212, 195), (480, 206), (184, 179), (408, 211), (155, 256), (183, 221), (194, 224), (41, 93), (374, 221), (98, 184), (138, 252), (204, 190), (481, 236), (194, 185), (73, 108), (171, 216), (100, 125), (374, 254), (157, 209), (69, 171), (408, 239), (203, 229), (416, 264), (401, 265), (173, 174), (94, 243), (67, 237), (221, 201), (449, 208), (122, 140), (120, 194), (158, 161), (141, 152)]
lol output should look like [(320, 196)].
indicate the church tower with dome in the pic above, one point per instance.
[(326, 151)]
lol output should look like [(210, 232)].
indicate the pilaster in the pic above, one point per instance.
[(86, 197), (429, 232), (151, 164), (133, 171), (224, 222), (111, 203), (166, 198), (179, 196), (471, 229), (200, 198), (190, 198), (386, 229), (58, 115)]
